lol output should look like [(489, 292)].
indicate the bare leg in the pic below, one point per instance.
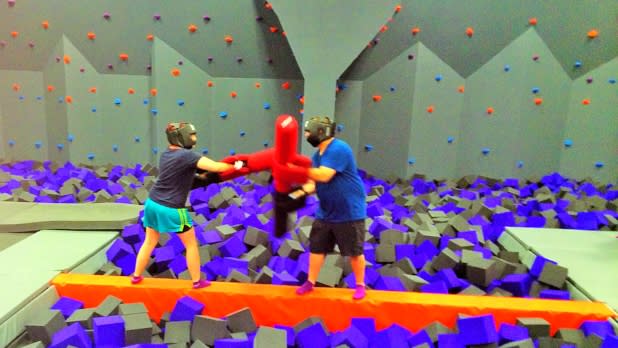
[(192, 254), (358, 267), (315, 264), (145, 251)]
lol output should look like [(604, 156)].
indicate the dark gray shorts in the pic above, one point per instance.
[(349, 236)]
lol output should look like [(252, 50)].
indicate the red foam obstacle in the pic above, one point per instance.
[(277, 304)]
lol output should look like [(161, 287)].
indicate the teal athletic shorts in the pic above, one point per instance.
[(164, 219)]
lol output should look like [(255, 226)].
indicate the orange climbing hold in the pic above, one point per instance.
[(532, 21), (538, 101), (14, 34), (91, 35), (153, 92), (45, 25), (258, 85), (490, 110), (461, 89), (586, 101), (51, 88), (592, 34), (150, 37), (67, 59), (68, 99), (376, 98), (286, 85), (430, 109), (228, 38), (397, 8), (123, 56), (175, 72), (16, 87), (210, 83), (93, 90), (469, 31), (192, 28), (131, 91), (415, 30), (233, 94)]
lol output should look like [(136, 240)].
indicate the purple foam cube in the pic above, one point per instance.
[(450, 340), (366, 325), (230, 264), (211, 237), (436, 287), (67, 199), (535, 221), (185, 309), (44, 199), (389, 283), (422, 337), (313, 336), (555, 294), (133, 233), (566, 221), (233, 343), (517, 284), (118, 250), (351, 337), (477, 330), (284, 278), (419, 260), (371, 278), (538, 265), (214, 267), (108, 331), (164, 255), (470, 236), (450, 278), (427, 248), (587, 221), (74, 335), (378, 225), (404, 250), (233, 247), (178, 264), (392, 336), (504, 219), (67, 306), (126, 264), (370, 252), (610, 341), (510, 332), (601, 328)]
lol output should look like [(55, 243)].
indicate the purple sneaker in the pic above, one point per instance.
[(359, 292), (305, 288), (136, 279), (202, 283)]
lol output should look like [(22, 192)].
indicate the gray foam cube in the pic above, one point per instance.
[(436, 328), (208, 329), (108, 307), (45, 325), (573, 336), (308, 322), (527, 343), (329, 275), (258, 257), (137, 328), (511, 256), (424, 234), (290, 249), (391, 236), (549, 342), (385, 253), (482, 272), (132, 308), (405, 265), (413, 282), (554, 275), (198, 344), (237, 277), (459, 244), (83, 317), (267, 337), (177, 332), (537, 327), (472, 290), (445, 259), (265, 276), (255, 236), (241, 321)]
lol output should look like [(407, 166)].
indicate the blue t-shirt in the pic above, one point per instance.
[(176, 171), (342, 199)]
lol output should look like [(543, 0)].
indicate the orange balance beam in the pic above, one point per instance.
[(276, 304)]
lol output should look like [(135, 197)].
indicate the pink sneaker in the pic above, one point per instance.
[(136, 279), (305, 288), (359, 292), (202, 283)]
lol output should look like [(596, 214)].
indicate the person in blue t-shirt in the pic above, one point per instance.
[(341, 215), (164, 210)]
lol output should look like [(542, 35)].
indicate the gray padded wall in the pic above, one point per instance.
[(386, 123), (593, 128), (22, 115), (517, 130), (189, 87), (246, 113), (348, 110), (430, 151), (55, 116)]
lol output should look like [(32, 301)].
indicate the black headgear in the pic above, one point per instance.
[(320, 129), (179, 134)]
